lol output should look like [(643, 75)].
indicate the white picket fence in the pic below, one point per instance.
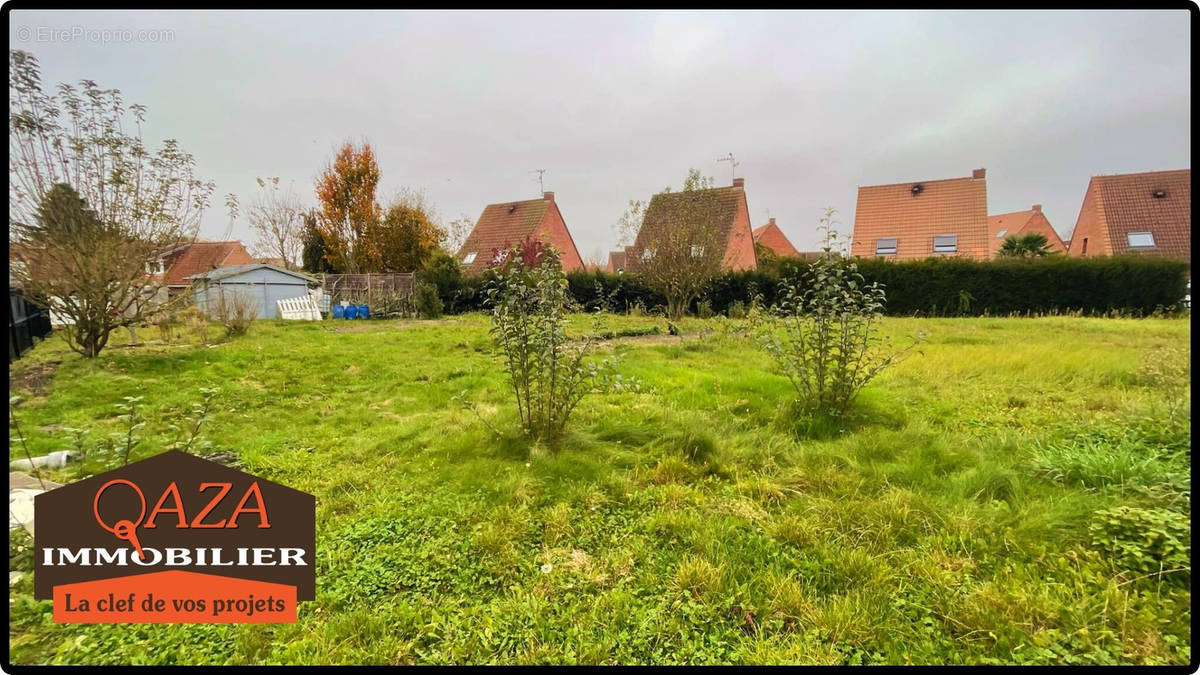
[(299, 309)]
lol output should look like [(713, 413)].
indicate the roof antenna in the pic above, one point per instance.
[(541, 188), (733, 164)]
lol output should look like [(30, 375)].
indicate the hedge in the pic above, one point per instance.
[(1136, 285)]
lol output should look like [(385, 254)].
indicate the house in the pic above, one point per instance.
[(731, 217), (922, 219), (265, 284), (1032, 221), (510, 223), (277, 262), (176, 265), (616, 262), (771, 237), (1147, 213)]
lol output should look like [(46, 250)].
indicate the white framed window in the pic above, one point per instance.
[(469, 258), (1001, 233), (945, 243), (1140, 239), (697, 251), (647, 254), (886, 245)]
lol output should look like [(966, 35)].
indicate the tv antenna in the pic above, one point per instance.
[(733, 164), (540, 173)]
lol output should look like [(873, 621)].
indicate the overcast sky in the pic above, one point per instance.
[(617, 105)]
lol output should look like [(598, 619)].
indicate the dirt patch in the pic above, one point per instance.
[(34, 378)]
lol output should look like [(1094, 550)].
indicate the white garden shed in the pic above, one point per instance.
[(266, 284)]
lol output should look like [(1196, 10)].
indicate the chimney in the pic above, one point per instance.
[(548, 195), (739, 183), (978, 173), (771, 221), (1037, 208)]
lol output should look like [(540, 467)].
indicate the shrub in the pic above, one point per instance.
[(824, 334), (429, 302), (548, 374), (236, 311), (443, 271), (196, 321), (737, 310)]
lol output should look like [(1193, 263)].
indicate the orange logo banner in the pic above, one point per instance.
[(175, 597)]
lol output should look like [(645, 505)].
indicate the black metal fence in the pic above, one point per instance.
[(27, 324)]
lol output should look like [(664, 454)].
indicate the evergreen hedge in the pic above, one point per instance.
[(1135, 285)]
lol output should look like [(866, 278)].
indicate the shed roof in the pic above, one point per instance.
[(200, 256), (235, 270)]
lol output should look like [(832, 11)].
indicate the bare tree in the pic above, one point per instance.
[(90, 207), (680, 239), (457, 232), (277, 220)]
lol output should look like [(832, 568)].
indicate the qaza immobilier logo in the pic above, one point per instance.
[(174, 539)]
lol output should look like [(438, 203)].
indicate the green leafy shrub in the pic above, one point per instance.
[(548, 373), (1143, 540), (428, 301), (824, 334)]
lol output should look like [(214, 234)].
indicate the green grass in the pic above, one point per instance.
[(967, 517)]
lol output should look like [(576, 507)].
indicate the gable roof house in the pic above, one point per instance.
[(772, 238), (510, 223), (616, 262), (1148, 213), (923, 219), (1033, 221), (181, 262), (731, 217)]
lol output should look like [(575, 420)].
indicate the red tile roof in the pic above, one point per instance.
[(730, 215), (1126, 203), (1001, 226), (772, 237), (914, 212), (202, 256), (616, 261), (511, 223)]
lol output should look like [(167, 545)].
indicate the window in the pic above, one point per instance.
[(155, 267), (1085, 245), (647, 253), (1001, 233), (945, 243), (886, 245), (1140, 239), (469, 258), (697, 251)]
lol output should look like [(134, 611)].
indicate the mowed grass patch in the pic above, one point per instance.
[(982, 507)]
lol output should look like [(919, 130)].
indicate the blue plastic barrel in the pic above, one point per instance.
[(364, 312), (339, 311), (351, 311)]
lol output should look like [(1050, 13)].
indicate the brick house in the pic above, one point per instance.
[(1147, 213), (175, 265), (616, 262), (1002, 226), (923, 219), (731, 217), (511, 223), (773, 238)]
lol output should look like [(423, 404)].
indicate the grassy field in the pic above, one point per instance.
[(997, 500)]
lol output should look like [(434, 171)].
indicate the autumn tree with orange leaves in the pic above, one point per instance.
[(348, 212)]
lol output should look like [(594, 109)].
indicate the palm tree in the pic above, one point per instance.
[(1028, 245)]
